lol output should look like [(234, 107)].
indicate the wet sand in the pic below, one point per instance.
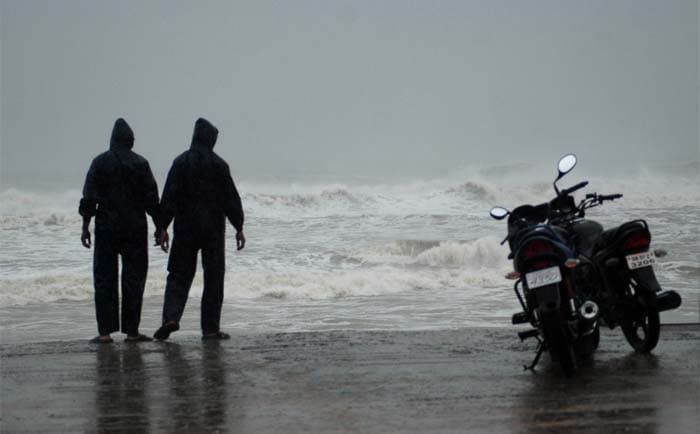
[(468, 380)]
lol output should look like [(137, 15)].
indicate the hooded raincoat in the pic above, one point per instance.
[(119, 190), (199, 195)]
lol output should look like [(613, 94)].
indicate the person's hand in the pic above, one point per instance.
[(164, 240), (240, 240), (85, 238)]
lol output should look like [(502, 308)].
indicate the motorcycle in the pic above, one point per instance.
[(571, 274)]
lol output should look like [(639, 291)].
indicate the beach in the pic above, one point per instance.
[(369, 308), (367, 144), (411, 255), (462, 380)]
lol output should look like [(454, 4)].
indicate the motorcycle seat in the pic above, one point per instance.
[(613, 235), (585, 233)]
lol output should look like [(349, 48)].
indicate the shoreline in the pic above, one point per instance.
[(406, 311), (463, 380)]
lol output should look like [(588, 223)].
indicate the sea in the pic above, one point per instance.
[(359, 254)]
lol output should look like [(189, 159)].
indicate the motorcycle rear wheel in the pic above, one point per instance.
[(558, 342), (641, 325), (596, 336)]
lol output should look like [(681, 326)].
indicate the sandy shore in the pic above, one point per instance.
[(467, 380)]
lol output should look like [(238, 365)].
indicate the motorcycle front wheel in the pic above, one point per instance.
[(641, 324), (558, 342)]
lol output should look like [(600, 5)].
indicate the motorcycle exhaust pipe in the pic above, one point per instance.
[(667, 300), (588, 315), (589, 311)]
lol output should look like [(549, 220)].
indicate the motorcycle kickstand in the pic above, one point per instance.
[(540, 350)]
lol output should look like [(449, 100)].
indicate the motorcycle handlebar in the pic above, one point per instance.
[(602, 197), (578, 186)]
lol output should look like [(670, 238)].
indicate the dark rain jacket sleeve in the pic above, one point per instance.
[(88, 203), (151, 204), (169, 200), (232, 202)]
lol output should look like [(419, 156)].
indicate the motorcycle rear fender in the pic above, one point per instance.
[(646, 278), (548, 297)]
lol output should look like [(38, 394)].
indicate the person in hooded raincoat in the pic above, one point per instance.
[(119, 189), (200, 195)]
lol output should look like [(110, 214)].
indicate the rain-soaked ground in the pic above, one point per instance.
[(468, 380)]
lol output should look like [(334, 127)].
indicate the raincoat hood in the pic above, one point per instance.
[(205, 134), (122, 136)]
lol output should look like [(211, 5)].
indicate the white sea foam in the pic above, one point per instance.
[(382, 268), (311, 285), (473, 255), (457, 192), (330, 241)]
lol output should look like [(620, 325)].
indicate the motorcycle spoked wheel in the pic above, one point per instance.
[(641, 324), (557, 341)]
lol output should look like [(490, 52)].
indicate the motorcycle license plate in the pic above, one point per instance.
[(544, 277), (640, 260)]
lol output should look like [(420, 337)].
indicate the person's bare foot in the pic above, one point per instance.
[(102, 339)]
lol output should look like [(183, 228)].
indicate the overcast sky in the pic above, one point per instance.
[(347, 88)]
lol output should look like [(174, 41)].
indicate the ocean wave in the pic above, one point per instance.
[(270, 286), (375, 269), (477, 254), (453, 194), (260, 284), (325, 198), (686, 270), (21, 207), (358, 282), (475, 190)]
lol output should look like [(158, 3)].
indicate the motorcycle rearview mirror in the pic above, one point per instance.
[(499, 213), (566, 165)]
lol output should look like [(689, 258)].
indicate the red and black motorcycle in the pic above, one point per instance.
[(573, 274)]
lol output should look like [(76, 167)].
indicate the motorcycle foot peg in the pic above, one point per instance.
[(527, 334), (668, 300), (520, 318)]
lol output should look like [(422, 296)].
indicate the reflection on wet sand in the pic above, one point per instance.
[(121, 389), (197, 388), (191, 396), (610, 396), (214, 384), (350, 382)]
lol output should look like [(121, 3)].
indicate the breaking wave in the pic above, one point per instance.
[(480, 254), (377, 269), (361, 240), (457, 193), (312, 285), (17, 206)]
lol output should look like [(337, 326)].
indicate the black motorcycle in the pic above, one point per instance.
[(574, 273)]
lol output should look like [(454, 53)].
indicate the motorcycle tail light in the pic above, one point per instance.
[(536, 247), (572, 263), (637, 240)]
